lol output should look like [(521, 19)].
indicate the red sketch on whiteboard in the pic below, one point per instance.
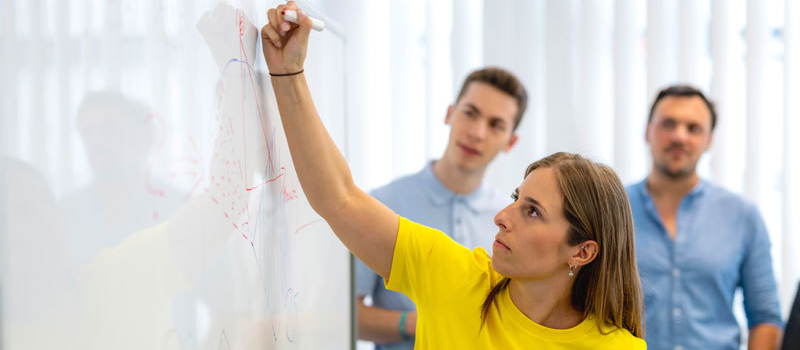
[(249, 183), (185, 168)]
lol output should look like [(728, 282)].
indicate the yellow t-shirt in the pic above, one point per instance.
[(449, 283)]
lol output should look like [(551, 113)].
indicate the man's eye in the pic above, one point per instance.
[(498, 126)]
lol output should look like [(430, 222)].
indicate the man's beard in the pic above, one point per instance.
[(679, 174)]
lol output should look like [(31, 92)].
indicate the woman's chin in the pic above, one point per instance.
[(498, 266)]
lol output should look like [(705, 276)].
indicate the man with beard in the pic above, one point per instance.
[(697, 243)]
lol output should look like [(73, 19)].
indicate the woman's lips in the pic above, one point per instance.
[(500, 245)]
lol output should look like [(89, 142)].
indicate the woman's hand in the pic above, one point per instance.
[(366, 226), (284, 42)]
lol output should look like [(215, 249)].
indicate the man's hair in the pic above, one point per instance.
[(684, 91), (596, 206), (502, 80)]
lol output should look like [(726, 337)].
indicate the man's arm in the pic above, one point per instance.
[(764, 337), (382, 325), (759, 288)]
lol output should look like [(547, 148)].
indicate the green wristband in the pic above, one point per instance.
[(402, 326)]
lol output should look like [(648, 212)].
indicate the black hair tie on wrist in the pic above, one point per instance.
[(285, 74)]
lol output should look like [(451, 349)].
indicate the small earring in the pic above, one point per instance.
[(571, 274)]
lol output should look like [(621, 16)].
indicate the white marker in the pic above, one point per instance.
[(291, 16)]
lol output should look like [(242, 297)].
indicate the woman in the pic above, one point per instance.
[(563, 270)]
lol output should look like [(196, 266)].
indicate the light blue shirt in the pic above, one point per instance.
[(689, 283), (468, 219)]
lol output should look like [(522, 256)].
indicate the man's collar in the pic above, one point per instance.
[(698, 188), (441, 195), (437, 193)]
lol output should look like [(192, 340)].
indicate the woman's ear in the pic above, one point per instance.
[(587, 251)]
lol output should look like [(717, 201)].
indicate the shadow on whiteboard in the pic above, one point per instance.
[(184, 237)]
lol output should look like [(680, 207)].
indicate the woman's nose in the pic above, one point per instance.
[(501, 219)]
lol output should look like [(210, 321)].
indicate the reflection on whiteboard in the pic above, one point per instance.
[(183, 238)]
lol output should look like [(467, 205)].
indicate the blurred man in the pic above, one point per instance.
[(697, 243), (119, 138)]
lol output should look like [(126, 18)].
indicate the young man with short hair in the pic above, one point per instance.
[(454, 197)]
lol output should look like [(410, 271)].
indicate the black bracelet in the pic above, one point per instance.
[(285, 74)]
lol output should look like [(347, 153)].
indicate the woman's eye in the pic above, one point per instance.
[(532, 212)]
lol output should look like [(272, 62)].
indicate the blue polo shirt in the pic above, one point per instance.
[(689, 283), (468, 219)]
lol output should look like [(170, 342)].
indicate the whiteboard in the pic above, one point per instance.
[(148, 195)]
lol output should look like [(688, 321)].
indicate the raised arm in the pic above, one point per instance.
[(367, 227)]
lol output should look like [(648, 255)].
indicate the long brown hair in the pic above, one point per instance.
[(597, 208)]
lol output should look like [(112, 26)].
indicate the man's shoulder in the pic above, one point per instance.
[(494, 199), (634, 190), (635, 186), (402, 186), (730, 200)]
